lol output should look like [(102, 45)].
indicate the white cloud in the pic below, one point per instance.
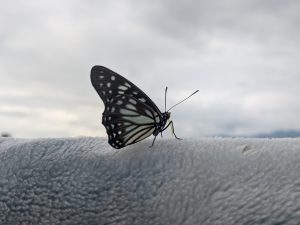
[(243, 56)]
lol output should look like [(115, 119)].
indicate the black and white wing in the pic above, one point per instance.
[(129, 115)]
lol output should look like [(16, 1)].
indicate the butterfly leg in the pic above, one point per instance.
[(153, 141), (173, 130)]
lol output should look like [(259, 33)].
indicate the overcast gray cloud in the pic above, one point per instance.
[(242, 55)]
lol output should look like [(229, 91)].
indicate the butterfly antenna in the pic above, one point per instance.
[(182, 100), (166, 98)]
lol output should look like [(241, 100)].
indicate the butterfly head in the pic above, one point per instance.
[(166, 116)]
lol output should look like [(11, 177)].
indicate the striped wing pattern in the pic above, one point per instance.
[(129, 115)]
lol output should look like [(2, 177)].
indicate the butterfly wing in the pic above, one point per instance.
[(129, 115), (109, 84), (127, 121)]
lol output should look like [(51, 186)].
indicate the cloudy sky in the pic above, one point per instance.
[(243, 56)]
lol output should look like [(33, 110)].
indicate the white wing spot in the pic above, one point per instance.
[(129, 106), (121, 87), (103, 92), (112, 126), (128, 85), (157, 119), (135, 93), (129, 128), (112, 77), (119, 132), (123, 97), (101, 76), (148, 112), (100, 84), (110, 91), (132, 101), (108, 84), (119, 102), (121, 92), (109, 118), (128, 112), (113, 109), (142, 99)]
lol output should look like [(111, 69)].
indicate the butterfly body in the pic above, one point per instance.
[(129, 115), (159, 127)]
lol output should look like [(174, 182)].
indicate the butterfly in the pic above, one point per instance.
[(129, 115)]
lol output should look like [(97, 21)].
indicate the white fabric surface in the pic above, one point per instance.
[(201, 181)]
